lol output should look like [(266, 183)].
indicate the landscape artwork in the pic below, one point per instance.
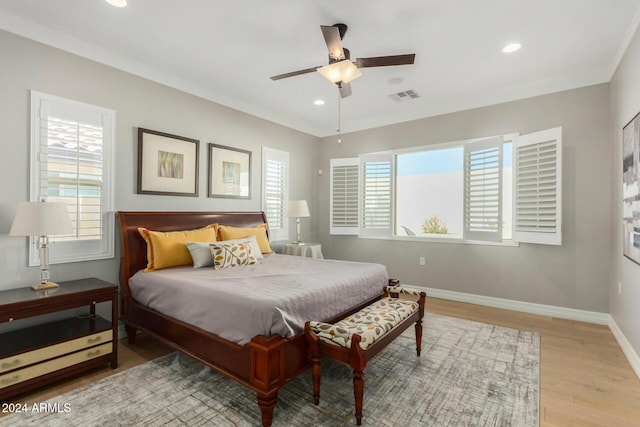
[(631, 190)]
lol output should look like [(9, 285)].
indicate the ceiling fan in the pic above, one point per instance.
[(341, 70)]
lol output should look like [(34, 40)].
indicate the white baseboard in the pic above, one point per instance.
[(545, 310), (629, 352), (526, 307)]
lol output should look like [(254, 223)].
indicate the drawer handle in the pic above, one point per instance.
[(93, 340), (10, 380), (13, 364), (93, 353)]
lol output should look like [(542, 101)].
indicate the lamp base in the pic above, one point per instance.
[(44, 286)]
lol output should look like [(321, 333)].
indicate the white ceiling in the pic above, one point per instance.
[(226, 51)]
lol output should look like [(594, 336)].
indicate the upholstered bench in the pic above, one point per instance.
[(358, 337)]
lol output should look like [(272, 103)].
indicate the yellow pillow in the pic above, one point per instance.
[(168, 249), (229, 233)]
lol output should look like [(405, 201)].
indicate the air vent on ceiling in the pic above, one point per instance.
[(404, 95)]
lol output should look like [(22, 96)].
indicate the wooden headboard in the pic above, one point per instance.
[(134, 248)]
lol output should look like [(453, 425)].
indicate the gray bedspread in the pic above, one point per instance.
[(274, 297)]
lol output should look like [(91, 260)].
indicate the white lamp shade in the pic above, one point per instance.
[(298, 209), (41, 219), (341, 71)]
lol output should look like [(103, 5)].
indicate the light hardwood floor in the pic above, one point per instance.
[(585, 379)]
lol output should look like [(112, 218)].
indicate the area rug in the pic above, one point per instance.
[(469, 374)]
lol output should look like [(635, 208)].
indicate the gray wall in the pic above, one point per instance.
[(574, 275), (138, 103), (625, 104)]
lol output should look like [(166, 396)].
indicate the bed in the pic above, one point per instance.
[(263, 362)]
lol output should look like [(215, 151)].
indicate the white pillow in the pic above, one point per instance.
[(201, 253)]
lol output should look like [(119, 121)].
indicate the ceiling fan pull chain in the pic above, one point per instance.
[(339, 108)]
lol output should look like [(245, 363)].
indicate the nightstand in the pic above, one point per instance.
[(37, 355), (309, 250)]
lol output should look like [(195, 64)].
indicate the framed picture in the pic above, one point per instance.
[(630, 189), (229, 172), (167, 164)]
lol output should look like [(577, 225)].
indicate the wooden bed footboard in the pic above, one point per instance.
[(265, 364)]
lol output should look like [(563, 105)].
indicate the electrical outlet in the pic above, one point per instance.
[(422, 261), (619, 288)]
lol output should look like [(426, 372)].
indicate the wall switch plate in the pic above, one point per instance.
[(619, 288), (422, 261)]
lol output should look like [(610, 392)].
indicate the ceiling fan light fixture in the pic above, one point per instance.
[(338, 55), (341, 71)]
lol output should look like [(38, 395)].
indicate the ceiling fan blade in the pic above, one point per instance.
[(295, 73), (332, 39), (384, 61), (345, 90)]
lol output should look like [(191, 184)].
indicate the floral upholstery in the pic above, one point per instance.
[(370, 323)]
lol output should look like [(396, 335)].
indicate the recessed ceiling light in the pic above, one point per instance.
[(511, 47), (318, 102), (117, 3)]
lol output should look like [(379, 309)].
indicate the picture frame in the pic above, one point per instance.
[(631, 189), (229, 172), (167, 164)]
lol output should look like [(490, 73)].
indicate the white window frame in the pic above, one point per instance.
[(495, 238), (277, 232), (73, 250)]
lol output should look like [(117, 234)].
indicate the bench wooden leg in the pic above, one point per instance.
[(358, 391), (418, 336), (316, 372)]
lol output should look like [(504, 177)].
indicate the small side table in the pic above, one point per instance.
[(309, 250), (33, 356)]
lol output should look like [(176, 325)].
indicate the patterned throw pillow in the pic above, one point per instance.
[(230, 254)]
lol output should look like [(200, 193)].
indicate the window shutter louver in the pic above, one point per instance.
[(483, 190), (71, 163), (71, 168), (344, 196), (275, 169), (377, 174), (538, 182)]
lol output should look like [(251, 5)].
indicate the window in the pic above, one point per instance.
[(275, 191), (457, 191), (72, 162)]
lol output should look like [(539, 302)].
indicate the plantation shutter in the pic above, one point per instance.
[(377, 173), (344, 196), (71, 162), (275, 191), (538, 187), (483, 190)]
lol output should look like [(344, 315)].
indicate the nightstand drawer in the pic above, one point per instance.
[(35, 356), (25, 374)]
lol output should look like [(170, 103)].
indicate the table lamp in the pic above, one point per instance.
[(42, 219), (298, 209)]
